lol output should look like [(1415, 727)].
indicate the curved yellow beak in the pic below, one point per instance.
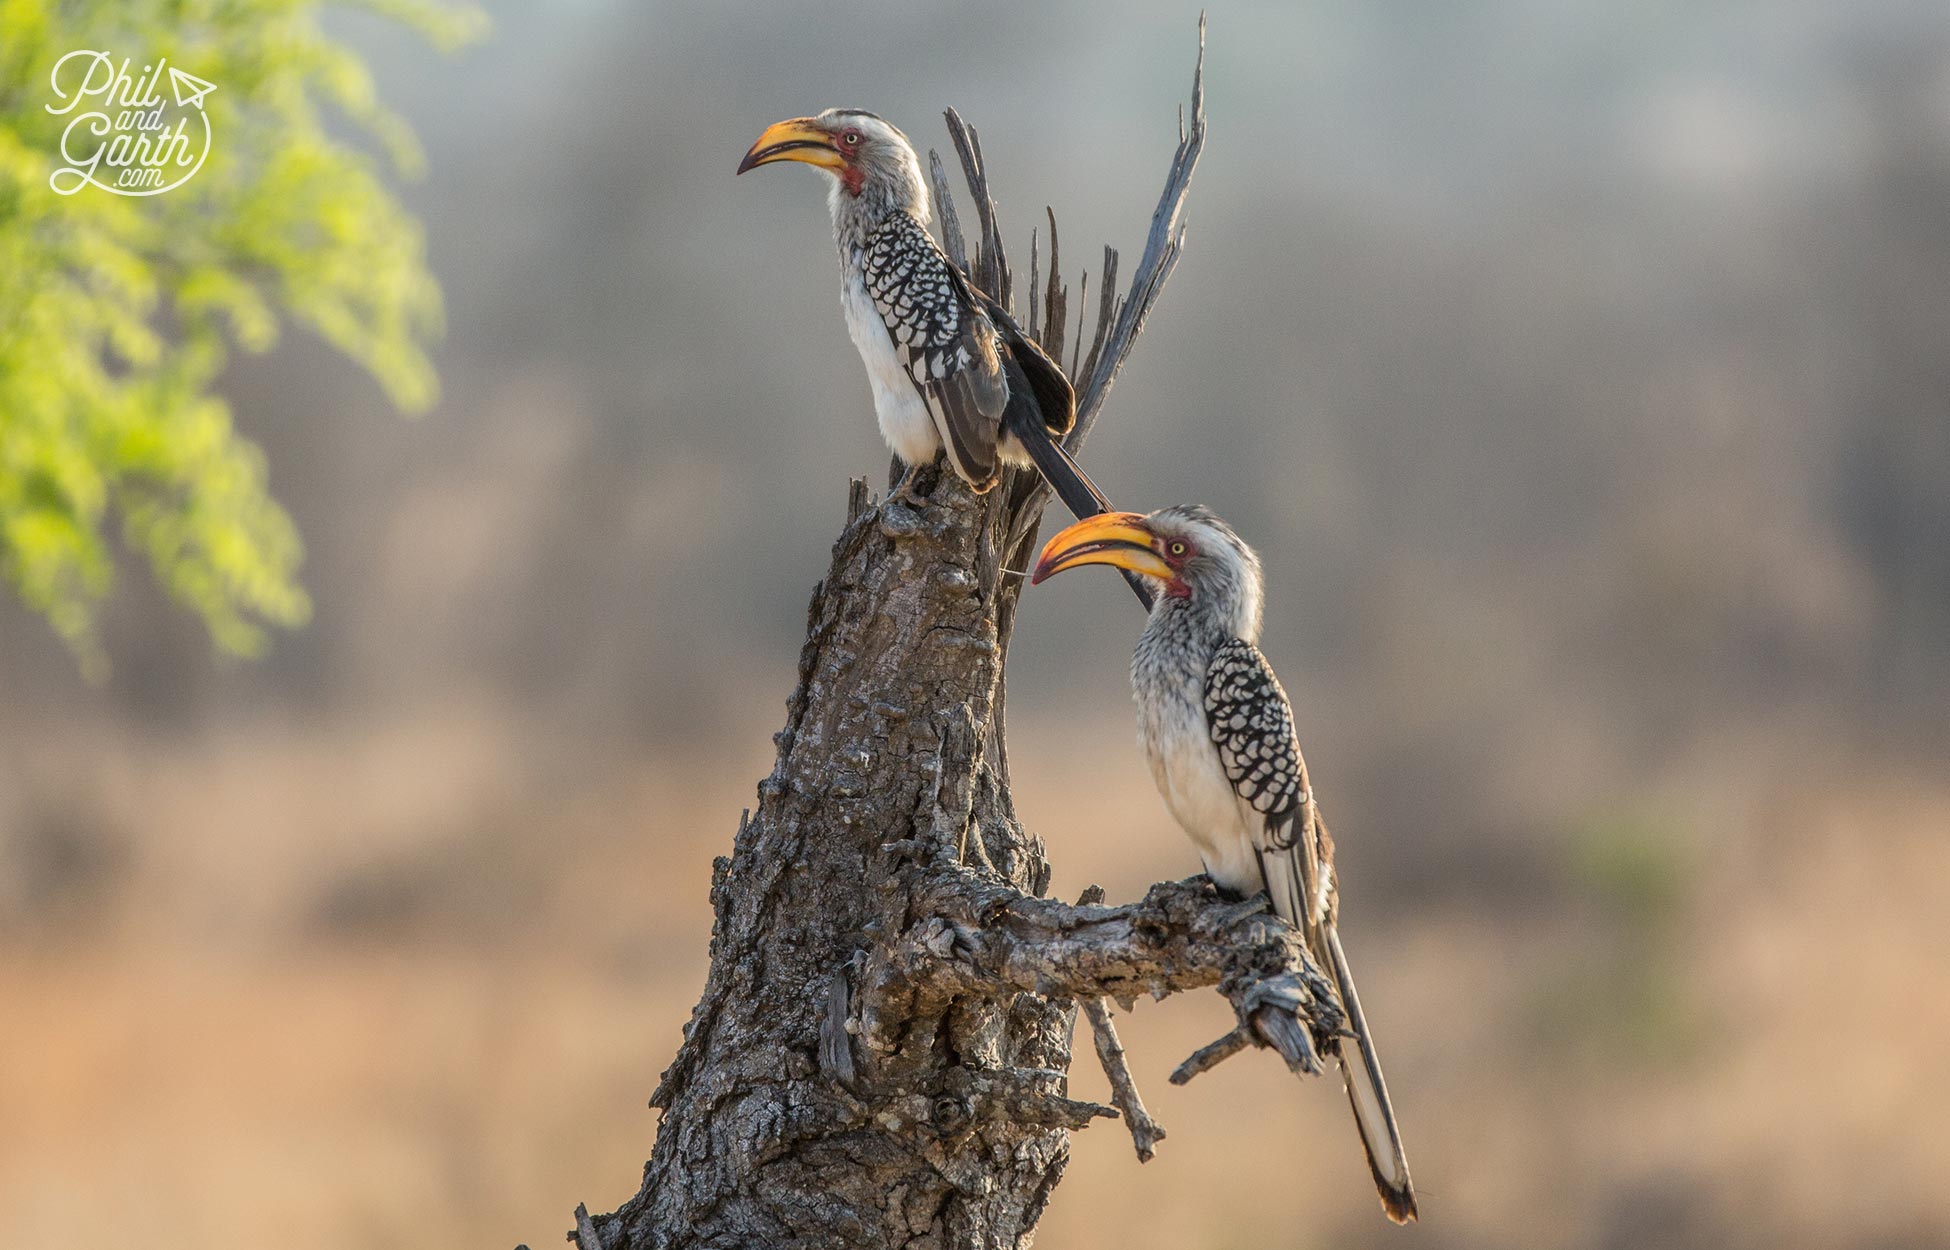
[(1119, 539), (794, 139)]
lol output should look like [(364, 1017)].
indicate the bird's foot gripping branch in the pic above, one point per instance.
[(978, 941)]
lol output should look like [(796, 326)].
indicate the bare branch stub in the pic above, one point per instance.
[(1056, 297), (1083, 297), (1211, 1055), (1106, 313), (585, 1235), (1146, 1132), (1161, 250), (991, 264), (1035, 305), (944, 208)]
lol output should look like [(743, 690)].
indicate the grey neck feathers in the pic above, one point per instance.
[(892, 184), (1182, 634), (1177, 644)]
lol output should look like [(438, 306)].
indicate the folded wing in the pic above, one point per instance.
[(946, 342)]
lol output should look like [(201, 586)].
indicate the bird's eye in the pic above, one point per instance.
[(851, 138), (1177, 550)]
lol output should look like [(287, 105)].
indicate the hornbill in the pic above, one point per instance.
[(1218, 731), (949, 367)]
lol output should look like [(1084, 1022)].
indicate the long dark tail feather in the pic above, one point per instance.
[(1071, 484), (1374, 1115), (1067, 478)]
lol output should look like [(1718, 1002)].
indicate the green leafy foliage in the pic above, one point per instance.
[(117, 312)]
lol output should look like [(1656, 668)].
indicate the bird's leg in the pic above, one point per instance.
[(904, 490)]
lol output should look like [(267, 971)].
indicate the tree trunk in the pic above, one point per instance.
[(881, 1054), (889, 763)]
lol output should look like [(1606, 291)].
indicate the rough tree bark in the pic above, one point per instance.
[(880, 1056)]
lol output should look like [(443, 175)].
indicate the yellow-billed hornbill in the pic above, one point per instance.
[(1218, 731), (949, 366)]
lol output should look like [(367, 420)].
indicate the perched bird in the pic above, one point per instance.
[(1218, 731), (949, 367)]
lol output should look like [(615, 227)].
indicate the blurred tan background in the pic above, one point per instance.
[(1580, 370)]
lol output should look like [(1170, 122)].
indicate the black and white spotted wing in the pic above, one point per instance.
[(944, 341), (1252, 726)]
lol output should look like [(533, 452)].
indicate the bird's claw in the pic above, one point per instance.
[(1277, 1023), (905, 491), (901, 512)]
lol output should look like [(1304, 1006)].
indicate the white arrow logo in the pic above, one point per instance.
[(189, 89)]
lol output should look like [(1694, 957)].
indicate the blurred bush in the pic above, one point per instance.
[(116, 313), (1621, 995)]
